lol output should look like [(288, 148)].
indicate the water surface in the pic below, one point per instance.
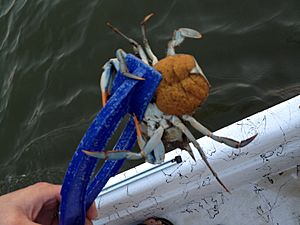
[(51, 53)]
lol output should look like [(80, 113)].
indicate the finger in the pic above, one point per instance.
[(92, 212)]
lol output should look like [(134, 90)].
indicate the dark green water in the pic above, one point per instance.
[(51, 53)]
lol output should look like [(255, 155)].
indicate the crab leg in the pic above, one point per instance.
[(126, 154), (123, 67), (146, 42), (227, 141), (122, 154), (179, 36), (140, 140), (154, 144), (106, 78), (136, 46), (177, 122), (114, 154)]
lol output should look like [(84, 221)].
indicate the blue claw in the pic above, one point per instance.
[(127, 96)]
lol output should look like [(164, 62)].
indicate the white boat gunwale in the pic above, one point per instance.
[(146, 189)]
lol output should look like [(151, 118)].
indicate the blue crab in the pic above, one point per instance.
[(165, 117)]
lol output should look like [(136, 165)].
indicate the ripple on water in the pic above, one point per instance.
[(51, 52)]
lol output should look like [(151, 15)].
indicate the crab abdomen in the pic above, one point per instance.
[(181, 91)]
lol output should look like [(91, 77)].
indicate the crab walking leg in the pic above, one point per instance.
[(106, 78), (114, 154), (123, 67), (154, 143), (136, 46), (179, 36), (146, 42), (140, 140), (177, 122), (227, 141)]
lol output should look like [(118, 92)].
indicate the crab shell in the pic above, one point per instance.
[(180, 92)]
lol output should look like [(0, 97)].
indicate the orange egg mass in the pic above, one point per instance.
[(180, 91)]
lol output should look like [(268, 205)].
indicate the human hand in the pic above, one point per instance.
[(33, 205)]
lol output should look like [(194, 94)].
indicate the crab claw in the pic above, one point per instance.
[(158, 153), (189, 33), (106, 78), (179, 36), (121, 55)]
